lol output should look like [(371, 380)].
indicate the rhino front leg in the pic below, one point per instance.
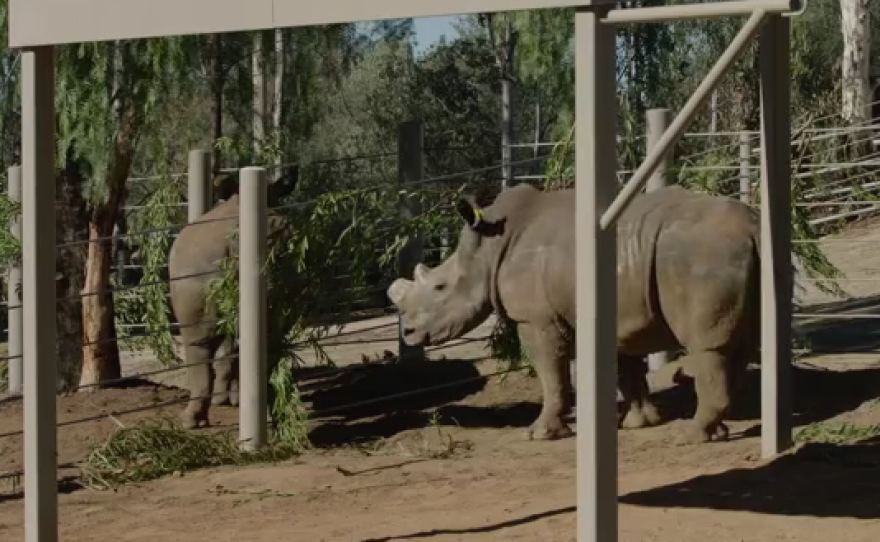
[(198, 375), (550, 351), (224, 375), (632, 382)]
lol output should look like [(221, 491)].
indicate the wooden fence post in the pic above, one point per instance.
[(657, 120), (410, 167)]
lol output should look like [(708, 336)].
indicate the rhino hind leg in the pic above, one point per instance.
[(224, 375), (712, 383), (550, 349), (632, 381), (199, 384)]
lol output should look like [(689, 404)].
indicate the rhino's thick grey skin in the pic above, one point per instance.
[(688, 277), (199, 250)]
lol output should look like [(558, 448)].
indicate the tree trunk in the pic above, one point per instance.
[(72, 221), (100, 350), (259, 83), (278, 93), (856, 84)]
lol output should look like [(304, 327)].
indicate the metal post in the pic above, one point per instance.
[(657, 121), (596, 256), (38, 293), (253, 371), (13, 298), (410, 140), (198, 184), (777, 280), (745, 168), (683, 119)]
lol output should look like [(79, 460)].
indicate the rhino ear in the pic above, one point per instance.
[(420, 273), (470, 211), (398, 289)]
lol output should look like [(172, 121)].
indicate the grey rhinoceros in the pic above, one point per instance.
[(194, 261), (688, 277)]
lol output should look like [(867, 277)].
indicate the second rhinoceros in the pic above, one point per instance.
[(688, 277), (194, 262)]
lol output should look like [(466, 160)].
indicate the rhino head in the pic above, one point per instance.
[(452, 299)]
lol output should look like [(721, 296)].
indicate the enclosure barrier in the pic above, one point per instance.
[(597, 209)]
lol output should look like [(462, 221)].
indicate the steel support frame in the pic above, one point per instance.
[(38, 293), (598, 210)]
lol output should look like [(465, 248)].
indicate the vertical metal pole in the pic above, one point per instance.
[(776, 270), (596, 253), (198, 194), (657, 121), (38, 292), (13, 285), (253, 371), (745, 168), (410, 140)]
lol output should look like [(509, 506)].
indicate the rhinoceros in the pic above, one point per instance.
[(194, 261), (688, 278)]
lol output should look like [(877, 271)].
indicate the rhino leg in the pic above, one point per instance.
[(632, 381), (224, 374), (550, 350), (198, 375), (712, 383)]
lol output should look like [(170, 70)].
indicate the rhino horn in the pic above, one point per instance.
[(420, 273), (398, 289)]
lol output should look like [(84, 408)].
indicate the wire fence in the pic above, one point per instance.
[(842, 186)]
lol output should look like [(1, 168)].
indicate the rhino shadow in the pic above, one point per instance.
[(818, 395), (839, 335), (379, 400), (819, 479)]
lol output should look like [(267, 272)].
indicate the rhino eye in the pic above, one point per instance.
[(439, 287)]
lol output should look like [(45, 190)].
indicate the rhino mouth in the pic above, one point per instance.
[(412, 337)]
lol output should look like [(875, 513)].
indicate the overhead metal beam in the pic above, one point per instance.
[(710, 10), (55, 22)]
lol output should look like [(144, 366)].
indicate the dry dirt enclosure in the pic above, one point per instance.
[(451, 464)]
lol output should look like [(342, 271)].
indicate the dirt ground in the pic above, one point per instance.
[(452, 464)]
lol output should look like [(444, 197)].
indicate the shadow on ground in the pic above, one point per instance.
[(379, 400), (821, 480), (818, 395), (838, 335)]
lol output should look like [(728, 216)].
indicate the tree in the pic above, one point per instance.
[(108, 97), (856, 64)]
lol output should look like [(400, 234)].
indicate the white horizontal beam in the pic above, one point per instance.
[(683, 12), (55, 22)]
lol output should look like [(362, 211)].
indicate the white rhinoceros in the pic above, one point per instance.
[(688, 277)]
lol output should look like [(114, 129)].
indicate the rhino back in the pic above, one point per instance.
[(701, 253), (198, 249)]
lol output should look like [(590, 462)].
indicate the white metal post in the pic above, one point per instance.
[(657, 121), (253, 370), (596, 257), (15, 376), (776, 270), (38, 293)]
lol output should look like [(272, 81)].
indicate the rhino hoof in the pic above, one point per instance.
[(233, 399), (652, 415), (192, 421), (219, 400), (555, 432)]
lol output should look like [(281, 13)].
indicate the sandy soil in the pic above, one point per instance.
[(384, 471)]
